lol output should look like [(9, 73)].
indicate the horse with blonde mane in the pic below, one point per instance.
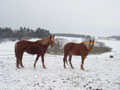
[(80, 49), (38, 47)]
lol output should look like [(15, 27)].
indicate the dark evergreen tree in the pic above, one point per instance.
[(22, 33)]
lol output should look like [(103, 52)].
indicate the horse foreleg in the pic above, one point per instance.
[(70, 59), (42, 57), (36, 60), (83, 58)]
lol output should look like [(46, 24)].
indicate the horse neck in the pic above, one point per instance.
[(43, 42), (47, 45), (85, 46)]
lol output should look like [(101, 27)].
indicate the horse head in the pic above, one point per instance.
[(51, 40), (89, 44)]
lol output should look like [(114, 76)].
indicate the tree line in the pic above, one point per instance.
[(114, 37), (22, 33)]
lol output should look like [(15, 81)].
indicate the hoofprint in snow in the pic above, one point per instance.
[(101, 72)]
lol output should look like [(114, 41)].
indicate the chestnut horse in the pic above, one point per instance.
[(80, 49), (38, 47)]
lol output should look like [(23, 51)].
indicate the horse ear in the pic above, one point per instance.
[(53, 35), (93, 39), (90, 40), (50, 36)]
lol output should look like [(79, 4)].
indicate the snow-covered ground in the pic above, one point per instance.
[(101, 72)]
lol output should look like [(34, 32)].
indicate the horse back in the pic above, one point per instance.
[(27, 46)]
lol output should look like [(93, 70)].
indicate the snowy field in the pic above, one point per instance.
[(101, 72)]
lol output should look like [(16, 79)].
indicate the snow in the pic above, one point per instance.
[(101, 72)]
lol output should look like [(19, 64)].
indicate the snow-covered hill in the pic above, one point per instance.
[(101, 72)]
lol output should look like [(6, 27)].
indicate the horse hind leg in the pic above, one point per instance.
[(21, 60), (70, 59), (17, 62), (17, 57), (65, 60)]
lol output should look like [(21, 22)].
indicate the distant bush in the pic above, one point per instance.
[(59, 46), (100, 47), (60, 42)]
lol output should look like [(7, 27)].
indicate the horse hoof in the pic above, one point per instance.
[(23, 67), (44, 67), (34, 66), (72, 67), (18, 67), (83, 69), (64, 67)]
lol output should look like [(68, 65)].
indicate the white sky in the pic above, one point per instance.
[(93, 17)]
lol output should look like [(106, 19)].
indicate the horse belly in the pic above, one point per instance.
[(75, 52), (31, 51)]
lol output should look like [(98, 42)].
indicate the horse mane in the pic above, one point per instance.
[(86, 43), (44, 41)]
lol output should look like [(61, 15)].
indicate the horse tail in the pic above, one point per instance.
[(16, 53)]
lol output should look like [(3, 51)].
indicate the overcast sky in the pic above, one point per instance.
[(93, 17)]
